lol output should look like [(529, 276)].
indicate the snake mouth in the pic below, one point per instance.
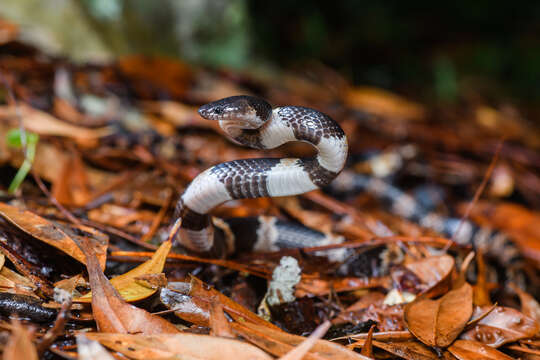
[(230, 119)]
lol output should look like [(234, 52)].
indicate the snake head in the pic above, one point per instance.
[(238, 112)]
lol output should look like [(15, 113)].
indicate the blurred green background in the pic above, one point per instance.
[(425, 49)]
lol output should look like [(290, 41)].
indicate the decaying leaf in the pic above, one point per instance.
[(202, 293), (410, 350), (439, 322), (500, 326), (19, 345), (434, 271), (472, 350), (383, 103), (90, 349), (52, 234), (43, 123), (183, 346), (278, 343), (111, 312), (529, 305)]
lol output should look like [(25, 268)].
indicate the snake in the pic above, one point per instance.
[(493, 243), (251, 121)]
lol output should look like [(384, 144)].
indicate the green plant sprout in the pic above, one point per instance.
[(16, 138)]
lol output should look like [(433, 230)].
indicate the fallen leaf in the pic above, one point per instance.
[(278, 343), (181, 346), (128, 285), (435, 272), (410, 350), (52, 233), (111, 312), (19, 345), (474, 350), (43, 123), (90, 349), (12, 282), (439, 322), (529, 305), (384, 103), (201, 293), (500, 326)]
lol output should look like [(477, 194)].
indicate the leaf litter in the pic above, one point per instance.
[(92, 224)]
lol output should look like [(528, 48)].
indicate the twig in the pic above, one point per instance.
[(54, 201), (57, 329), (479, 191)]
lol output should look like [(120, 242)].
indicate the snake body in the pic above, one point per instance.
[(465, 233), (252, 122)]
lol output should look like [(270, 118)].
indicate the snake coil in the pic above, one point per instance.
[(252, 122)]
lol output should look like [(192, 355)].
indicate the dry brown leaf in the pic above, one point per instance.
[(474, 350), (55, 234), (278, 343), (42, 123), (111, 312), (19, 345), (435, 272), (302, 349), (202, 293), (529, 306), (183, 346), (148, 73), (128, 285), (439, 322), (319, 287), (219, 324), (12, 282), (411, 350), (90, 349), (500, 326), (383, 103)]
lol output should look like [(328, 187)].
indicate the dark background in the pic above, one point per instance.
[(428, 50)]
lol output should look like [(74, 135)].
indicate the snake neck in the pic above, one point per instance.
[(296, 123)]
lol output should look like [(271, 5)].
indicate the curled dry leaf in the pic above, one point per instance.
[(55, 235), (129, 285), (19, 345), (111, 312), (183, 346), (474, 350), (500, 326), (439, 322), (435, 272)]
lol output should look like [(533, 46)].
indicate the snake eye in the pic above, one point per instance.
[(218, 110)]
